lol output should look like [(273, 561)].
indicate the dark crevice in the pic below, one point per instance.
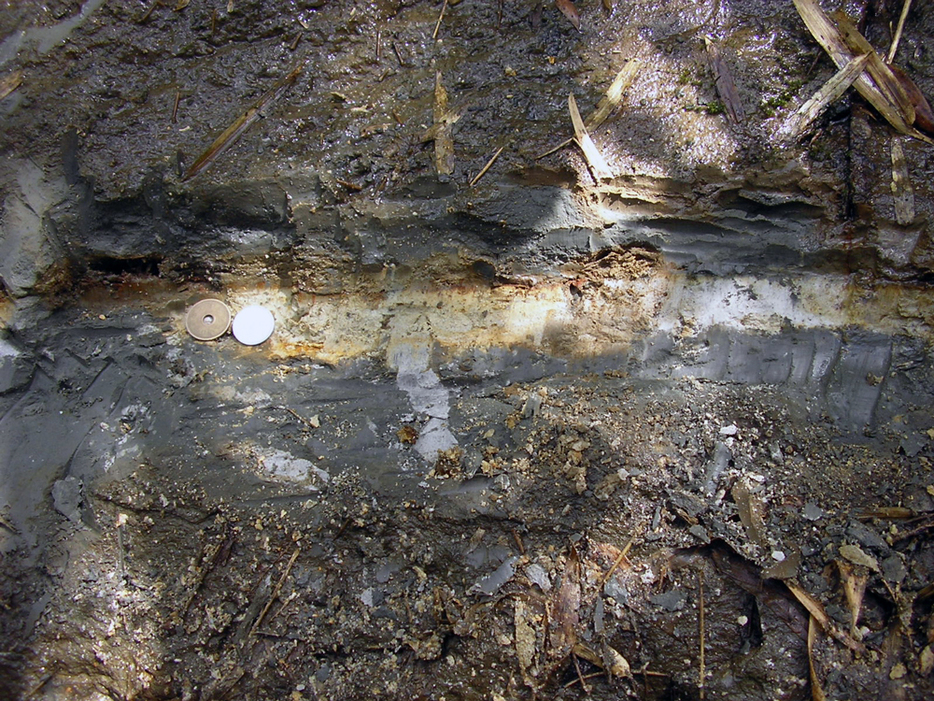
[(143, 266)]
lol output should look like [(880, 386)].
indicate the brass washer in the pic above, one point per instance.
[(208, 319)]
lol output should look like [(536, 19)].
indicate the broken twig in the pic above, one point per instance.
[(444, 120), (486, 167), (243, 122), (594, 158), (622, 556), (580, 675), (314, 422), (395, 50), (611, 98), (206, 563), (817, 693), (121, 549), (148, 11), (830, 92), (9, 526), (887, 512), (877, 84), (275, 591), (444, 6), (898, 31)]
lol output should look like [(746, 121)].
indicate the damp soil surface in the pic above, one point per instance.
[(207, 520), (523, 430)]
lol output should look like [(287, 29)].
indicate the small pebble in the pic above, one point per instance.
[(812, 512)]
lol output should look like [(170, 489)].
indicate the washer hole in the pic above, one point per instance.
[(208, 319)]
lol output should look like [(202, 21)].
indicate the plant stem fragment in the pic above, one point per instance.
[(726, 87), (898, 31), (594, 158), (877, 84), (444, 6), (485, 168), (830, 92), (9, 83), (275, 591), (611, 98), (243, 122)]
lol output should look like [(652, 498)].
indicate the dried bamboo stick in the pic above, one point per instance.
[(611, 98), (830, 92), (596, 160), (840, 50)]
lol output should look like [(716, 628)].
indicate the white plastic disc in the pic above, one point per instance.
[(253, 325)]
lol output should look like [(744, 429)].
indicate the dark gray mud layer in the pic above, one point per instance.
[(665, 434), (215, 522)]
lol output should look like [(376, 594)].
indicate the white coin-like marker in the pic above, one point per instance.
[(253, 325)]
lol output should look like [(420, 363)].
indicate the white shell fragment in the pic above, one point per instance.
[(253, 325)]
